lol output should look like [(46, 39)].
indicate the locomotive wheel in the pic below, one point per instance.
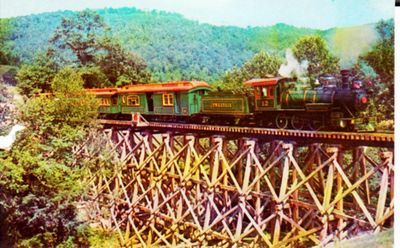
[(297, 122), (281, 121)]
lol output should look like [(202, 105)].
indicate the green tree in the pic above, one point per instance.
[(94, 77), (103, 60), (381, 59), (7, 55), (42, 178), (37, 76), (260, 65), (121, 66), (314, 49), (80, 34)]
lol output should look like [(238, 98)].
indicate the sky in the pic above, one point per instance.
[(321, 14)]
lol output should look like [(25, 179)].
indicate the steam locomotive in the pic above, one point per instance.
[(275, 102)]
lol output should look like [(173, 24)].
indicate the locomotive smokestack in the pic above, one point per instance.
[(346, 80)]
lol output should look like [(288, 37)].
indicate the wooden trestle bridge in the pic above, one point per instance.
[(183, 185)]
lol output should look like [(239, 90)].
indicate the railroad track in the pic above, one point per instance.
[(300, 136)]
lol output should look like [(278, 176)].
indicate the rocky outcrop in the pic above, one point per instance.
[(7, 109)]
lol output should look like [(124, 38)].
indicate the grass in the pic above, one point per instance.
[(380, 240)]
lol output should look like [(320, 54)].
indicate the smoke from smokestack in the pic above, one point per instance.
[(292, 67)]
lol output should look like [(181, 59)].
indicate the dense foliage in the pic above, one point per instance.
[(41, 179), (82, 41), (261, 65), (7, 54), (37, 76), (80, 34), (381, 59), (320, 60), (84, 38), (176, 48), (120, 65)]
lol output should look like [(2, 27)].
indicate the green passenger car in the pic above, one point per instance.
[(182, 98), (133, 102)]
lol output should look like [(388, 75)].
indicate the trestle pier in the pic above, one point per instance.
[(174, 188)]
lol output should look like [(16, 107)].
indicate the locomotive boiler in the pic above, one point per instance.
[(285, 103), (333, 104)]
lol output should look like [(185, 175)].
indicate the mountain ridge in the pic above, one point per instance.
[(176, 47)]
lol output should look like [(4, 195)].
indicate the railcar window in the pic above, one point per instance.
[(270, 92), (133, 100), (114, 101), (264, 91), (105, 101), (168, 100)]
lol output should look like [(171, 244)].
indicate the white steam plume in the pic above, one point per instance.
[(292, 67)]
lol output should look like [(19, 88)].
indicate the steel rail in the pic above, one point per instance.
[(299, 136)]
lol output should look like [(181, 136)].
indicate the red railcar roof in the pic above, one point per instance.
[(102, 91), (263, 82), (163, 87), (157, 87)]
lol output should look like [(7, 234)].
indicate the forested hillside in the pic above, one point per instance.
[(177, 48), (60, 163)]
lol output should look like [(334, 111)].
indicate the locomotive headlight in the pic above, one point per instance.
[(364, 100)]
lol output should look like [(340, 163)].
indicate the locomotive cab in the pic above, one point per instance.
[(267, 92)]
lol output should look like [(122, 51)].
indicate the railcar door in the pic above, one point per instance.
[(178, 103), (195, 100), (150, 102), (115, 105)]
